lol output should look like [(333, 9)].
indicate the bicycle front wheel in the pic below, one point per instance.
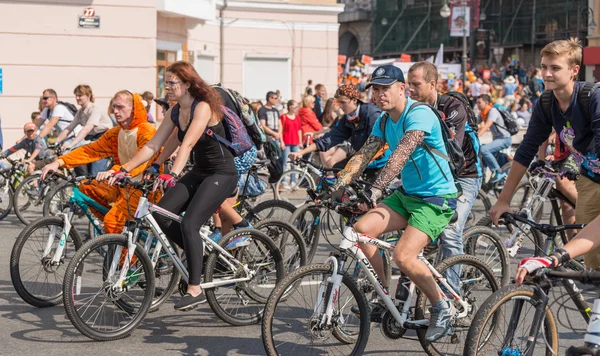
[(483, 242), (503, 323), (270, 209), (37, 280), (97, 307), (307, 219), (6, 196), (28, 198), (242, 302), (292, 186), (292, 324)]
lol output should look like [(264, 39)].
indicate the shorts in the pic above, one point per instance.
[(566, 165), (430, 215)]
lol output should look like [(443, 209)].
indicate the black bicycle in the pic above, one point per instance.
[(504, 324)]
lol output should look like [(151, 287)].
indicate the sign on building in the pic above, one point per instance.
[(89, 19), (0, 80)]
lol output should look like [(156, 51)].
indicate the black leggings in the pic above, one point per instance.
[(199, 195)]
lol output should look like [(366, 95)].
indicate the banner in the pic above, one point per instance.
[(481, 45), (366, 60), (460, 21), (341, 59)]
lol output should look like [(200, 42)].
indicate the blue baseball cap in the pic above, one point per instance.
[(386, 75)]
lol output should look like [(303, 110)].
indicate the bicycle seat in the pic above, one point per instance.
[(260, 163), (454, 218)]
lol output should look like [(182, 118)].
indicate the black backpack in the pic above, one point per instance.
[(455, 156), (273, 154), (583, 96), (510, 123), (443, 100), (72, 108)]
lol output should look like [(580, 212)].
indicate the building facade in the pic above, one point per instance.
[(249, 46)]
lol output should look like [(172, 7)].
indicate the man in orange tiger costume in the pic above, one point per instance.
[(121, 143)]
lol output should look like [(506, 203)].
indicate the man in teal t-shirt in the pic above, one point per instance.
[(425, 203)]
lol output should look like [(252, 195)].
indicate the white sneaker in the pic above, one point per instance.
[(286, 185)]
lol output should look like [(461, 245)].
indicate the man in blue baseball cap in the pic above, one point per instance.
[(425, 203)]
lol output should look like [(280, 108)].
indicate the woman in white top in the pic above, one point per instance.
[(94, 122)]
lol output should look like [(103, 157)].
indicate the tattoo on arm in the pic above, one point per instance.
[(399, 157), (360, 160)]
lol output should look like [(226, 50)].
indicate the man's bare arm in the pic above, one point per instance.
[(360, 160)]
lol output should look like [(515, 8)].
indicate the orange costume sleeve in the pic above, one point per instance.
[(106, 146)]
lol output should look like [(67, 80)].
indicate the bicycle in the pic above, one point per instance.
[(481, 335), (326, 318), (9, 181), (123, 292), (47, 245), (304, 180)]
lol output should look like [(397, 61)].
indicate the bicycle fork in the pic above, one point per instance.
[(63, 238)]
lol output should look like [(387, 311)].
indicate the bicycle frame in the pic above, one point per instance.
[(349, 245), (83, 201), (144, 214)]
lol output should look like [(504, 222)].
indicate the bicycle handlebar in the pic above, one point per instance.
[(545, 229), (588, 276), (319, 167), (541, 169)]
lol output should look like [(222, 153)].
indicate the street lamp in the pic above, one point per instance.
[(445, 12), (590, 13)]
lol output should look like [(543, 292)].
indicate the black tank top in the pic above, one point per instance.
[(210, 157)]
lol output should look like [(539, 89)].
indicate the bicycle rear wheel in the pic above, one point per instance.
[(291, 325), (477, 283), (95, 307), (242, 303), (36, 280), (510, 311)]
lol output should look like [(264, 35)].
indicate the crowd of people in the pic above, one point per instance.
[(397, 130)]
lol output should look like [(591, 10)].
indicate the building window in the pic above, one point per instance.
[(163, 60)]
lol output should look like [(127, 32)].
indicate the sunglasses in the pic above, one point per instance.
[(46, 97), (28, 131)]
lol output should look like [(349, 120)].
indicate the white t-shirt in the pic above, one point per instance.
[(65, 118)]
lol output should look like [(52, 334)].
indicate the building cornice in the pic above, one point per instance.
[(255, 6)]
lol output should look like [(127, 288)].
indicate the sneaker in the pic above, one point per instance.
[(286, 186), (216, 235), (376, 311), (441, 321), (498, 177), (33, 192), (188, 302)]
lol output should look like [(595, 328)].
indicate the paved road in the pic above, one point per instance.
[(27, 330)]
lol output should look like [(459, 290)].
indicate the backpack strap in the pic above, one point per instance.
[(429, 149), (382, 122), (584, 96), (546, 104)]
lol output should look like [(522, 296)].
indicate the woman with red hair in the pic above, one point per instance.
[(212, 179)]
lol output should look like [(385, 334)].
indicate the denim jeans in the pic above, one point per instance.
[(451, 239), (98, 166), (286, 152), (488, 152)]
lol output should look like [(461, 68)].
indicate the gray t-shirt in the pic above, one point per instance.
[(497, 131)]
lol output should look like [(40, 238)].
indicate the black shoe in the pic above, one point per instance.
[(188, 302), (376, 310)]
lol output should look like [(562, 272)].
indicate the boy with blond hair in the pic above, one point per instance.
[(577, 121)]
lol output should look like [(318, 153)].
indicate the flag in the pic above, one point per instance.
[(439, 57), (429, 59)]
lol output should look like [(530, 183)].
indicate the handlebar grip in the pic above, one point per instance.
[(59, 175)]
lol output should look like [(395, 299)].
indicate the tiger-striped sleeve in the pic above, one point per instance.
[(104, 147)]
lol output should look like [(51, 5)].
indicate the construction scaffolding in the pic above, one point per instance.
[(415, 26)]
